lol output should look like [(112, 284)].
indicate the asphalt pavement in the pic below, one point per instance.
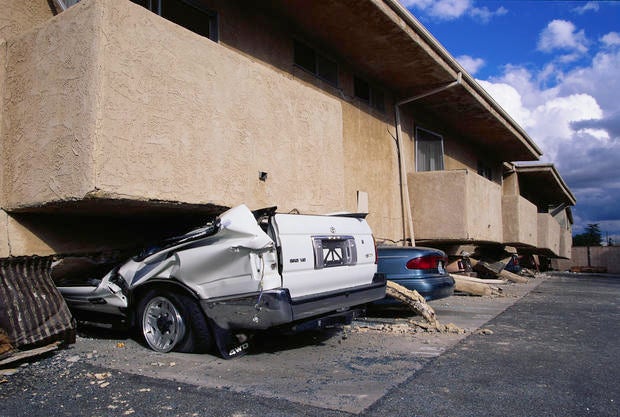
[(555, 352)]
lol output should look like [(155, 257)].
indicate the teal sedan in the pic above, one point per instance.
[(416, 268)]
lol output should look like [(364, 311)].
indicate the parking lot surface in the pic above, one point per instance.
[(378, 366), (554, 353)]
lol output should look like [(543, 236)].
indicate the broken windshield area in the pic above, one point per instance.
[(209, 230)]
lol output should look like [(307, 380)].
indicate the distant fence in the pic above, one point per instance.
[(607, 257)]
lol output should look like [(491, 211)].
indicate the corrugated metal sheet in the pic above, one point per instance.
[(32, 311)]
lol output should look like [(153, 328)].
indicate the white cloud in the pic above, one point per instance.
[(611, 39), (551, 123), (449, 9), (568, 58), (471, 65), (599, 79), (561, 34), (442, 9), (589, 6), (576, 123), (509, 99), (485, 15), (453, 9), (421, 4)]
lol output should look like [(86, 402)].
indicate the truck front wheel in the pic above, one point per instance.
[(171, 321)]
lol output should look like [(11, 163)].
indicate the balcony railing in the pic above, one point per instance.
[(110, 102), (520, 221), (455, 206), (566, 243), (549, 232)]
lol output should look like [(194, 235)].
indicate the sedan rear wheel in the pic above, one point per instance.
[(163, 325)]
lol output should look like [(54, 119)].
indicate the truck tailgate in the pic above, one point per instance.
[(321, 254)]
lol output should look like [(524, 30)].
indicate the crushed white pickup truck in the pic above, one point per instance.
[(245, 271)]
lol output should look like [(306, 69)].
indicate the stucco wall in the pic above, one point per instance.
[(49, 110), (519, 218), (371, 165), (548, 233), (202, 133), (23, 241), (3, 59), (161, 113), (458, 153), (20, 15)]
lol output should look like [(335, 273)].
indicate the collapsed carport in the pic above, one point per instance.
[(73, 247)]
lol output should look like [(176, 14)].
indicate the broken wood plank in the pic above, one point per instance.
[(481, 280), (470, 287), (513, 277), (6, 347), (412, 299), (19, 355)]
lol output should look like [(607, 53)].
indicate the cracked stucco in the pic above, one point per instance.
[(19, 16)]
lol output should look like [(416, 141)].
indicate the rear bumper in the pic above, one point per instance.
[(432, 288), (271, 308)]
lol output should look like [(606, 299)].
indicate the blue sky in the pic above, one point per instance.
[(554, 66)]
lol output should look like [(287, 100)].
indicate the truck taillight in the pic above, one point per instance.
[(425, 262)]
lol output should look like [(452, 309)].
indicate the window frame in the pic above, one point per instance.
[(485, 171), (155, 6), (376, 97), (417, 140), (318, 58)]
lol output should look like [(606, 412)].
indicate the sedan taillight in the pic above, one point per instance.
[(374, 242), (425, 262)]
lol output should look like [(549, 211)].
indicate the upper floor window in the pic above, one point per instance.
[(373, 96), (64, 4), (191, 14), (485, 171), (316, 63), (428, 151)]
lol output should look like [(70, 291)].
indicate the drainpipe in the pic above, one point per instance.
[(404, 186)]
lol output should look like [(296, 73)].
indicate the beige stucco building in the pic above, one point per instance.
[(118, 125)]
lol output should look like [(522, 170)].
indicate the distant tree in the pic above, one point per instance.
[(590, 237)]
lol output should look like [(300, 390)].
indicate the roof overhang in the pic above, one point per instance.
[(392, 48), (543, 185)]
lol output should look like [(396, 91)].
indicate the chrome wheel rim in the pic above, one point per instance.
[(162, 324)]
